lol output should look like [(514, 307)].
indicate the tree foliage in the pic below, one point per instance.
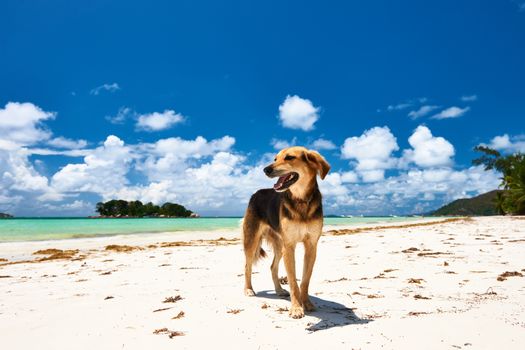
[(121, 208), (512, 198)]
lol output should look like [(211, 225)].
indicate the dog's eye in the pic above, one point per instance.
[(289, 158)]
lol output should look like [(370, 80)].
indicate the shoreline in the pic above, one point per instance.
[(16, 251), (50, 229)]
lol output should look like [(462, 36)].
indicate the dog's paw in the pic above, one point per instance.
[(296, 312), (308, 305), (249, 292), (282, 292)]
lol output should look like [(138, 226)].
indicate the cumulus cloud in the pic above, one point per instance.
[(279, 144), (413, 191), (211, 177), (63, 142), (158, 121), (298, 113), (21, 123), (222, 183), (422, 111), (436, 186), (105, 87), (323, 144), (17, 173), (161, 159), (469, 98), (102, 171), (451, 112), (428, 150), (372, 151), (508, 144)]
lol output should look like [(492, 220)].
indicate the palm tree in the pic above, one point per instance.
[(512, 199), (499, 202), (515, 185)]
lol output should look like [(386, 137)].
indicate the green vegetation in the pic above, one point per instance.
[(121, 208), (482, 205), (5, 216), (512, 197)]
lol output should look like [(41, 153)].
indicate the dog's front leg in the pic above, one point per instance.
[(296, 309), (310, 253)]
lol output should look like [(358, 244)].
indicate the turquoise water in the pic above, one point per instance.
[(34, 229)]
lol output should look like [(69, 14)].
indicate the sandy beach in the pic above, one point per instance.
[(453, 284)]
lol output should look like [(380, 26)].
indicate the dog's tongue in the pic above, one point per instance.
[(280, 182)]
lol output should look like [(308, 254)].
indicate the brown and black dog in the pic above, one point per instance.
[(290, 213)]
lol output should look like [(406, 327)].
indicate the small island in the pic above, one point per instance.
[(5, 216), (118, 208)]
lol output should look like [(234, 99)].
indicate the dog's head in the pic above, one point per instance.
[(296, 166)]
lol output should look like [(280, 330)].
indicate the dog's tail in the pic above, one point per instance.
[(261, 254)]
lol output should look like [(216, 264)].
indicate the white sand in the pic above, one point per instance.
[(62, 304)]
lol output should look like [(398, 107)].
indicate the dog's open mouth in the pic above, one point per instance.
[(285, 181)]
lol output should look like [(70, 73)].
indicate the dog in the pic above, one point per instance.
[(289, 213)]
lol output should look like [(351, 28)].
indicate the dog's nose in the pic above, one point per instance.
[(268, 170)]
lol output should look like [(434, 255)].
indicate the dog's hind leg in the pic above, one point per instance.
[(252, 249), (278, 253)]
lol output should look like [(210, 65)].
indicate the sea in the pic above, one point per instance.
[(38, 229)]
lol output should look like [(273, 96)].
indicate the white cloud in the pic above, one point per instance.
[(162, 159), (279, 144), (428, 150), (51, 152), (222, 184), (17, 173), (399, 106), (445, 183), (123, 113), (469, 98), (372, 150), (508, 144), (102, 171), (451, 112), (21, 123), (62, 142), (159, 121), (422, 111), (298, 113), (407, 104), (75, 208), (413, 191), (105, 87), (210, 177), (323, 144)]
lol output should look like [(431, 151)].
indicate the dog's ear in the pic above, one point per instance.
[(319, 163)]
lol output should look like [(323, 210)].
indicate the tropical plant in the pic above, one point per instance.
[(512, 199), (121, 208), (515, 187), (499, 203)]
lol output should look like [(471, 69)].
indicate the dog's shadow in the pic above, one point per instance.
[(329, 313)]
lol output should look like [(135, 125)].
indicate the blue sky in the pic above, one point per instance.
[(185, 101)]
